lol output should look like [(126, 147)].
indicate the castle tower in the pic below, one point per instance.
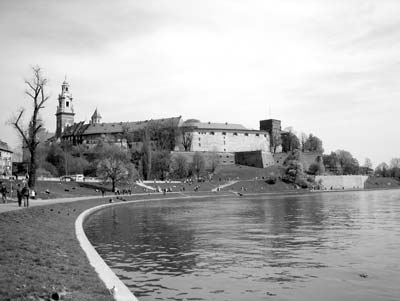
[(96, 117), (65, 110)]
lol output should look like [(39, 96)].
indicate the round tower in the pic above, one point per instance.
[(65, 110)]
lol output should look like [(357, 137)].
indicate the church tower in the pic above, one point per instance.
[(96, 117), (65, 110)]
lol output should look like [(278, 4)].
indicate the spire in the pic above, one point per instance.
[(96, 117)]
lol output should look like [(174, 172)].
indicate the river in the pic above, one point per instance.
[(321, 246)]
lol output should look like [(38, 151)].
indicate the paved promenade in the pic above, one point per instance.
[(13, 204)]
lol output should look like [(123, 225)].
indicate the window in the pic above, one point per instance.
[(67, 104), (235, 134), (212, 133), (246, 134), (257, 135), (224, 133), (199, 144)]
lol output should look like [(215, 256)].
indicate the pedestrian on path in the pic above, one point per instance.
[(3, 192), (19, 195), (25, 195)]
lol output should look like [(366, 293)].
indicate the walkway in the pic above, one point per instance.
[(224, 186)]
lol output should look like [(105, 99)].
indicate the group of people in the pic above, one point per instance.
[(23, 194)]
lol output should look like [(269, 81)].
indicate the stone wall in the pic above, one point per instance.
[(220, 158), (255, 158), (229, 141), (308, 158), (342, 182)]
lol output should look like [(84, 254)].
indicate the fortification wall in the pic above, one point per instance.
[(255, 158), (342, 182), (218, 141), (308, 158), (219, 158)]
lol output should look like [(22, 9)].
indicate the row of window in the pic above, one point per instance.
[(234, 134)]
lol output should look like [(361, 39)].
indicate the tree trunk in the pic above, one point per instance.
[(32, 170)]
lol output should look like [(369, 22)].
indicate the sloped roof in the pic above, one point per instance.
[(4, 147), (117, 127), (215, 125), (96, 114)]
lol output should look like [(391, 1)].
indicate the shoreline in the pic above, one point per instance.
[(40, 253)]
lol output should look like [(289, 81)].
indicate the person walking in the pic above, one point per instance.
[(25, 195), (3, 190), (19, 195)]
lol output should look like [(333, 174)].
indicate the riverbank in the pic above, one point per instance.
[(40, 255)]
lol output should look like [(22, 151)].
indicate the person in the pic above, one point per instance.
[(25, 195), (102, 192), (4, 193), (19, 195)]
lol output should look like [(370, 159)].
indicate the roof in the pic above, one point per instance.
[(96, 114), (81, 128), (216, 126), (4, 147)]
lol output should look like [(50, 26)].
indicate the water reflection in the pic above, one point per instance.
[(287, 248)]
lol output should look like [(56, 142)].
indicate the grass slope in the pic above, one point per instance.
[(39, 255)]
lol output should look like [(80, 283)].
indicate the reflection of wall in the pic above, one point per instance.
[(342, 182)]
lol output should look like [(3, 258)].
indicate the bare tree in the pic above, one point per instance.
[(187, 137), (36, 93)]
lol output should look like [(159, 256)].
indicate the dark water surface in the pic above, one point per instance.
[(332, 246)]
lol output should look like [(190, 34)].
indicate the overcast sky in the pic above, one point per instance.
[(327, 67)]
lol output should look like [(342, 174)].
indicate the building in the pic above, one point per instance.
[(225, 137), (5, 159), (65, 110), (223, 140)]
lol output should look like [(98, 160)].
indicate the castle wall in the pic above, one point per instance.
[(254, 158), (342, 182), (210, 158), (218, 141)]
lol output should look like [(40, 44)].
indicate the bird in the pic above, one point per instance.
[(113, 290), (363, 275)]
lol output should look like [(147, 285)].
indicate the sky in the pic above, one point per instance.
[(326, 67)]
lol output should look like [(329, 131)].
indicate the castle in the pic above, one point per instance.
[(232, 143)]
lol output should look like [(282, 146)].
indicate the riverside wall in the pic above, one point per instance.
[(342, 182)]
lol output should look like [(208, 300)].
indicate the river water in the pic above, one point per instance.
[(322, 246)]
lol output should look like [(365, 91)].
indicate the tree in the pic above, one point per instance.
[(146, 158), (290, 142), (313, 144), (180, 167), (160, 164), (36, 92), (317, 168), (382, 170), (187, 137), (114, 165), (367, 163), (198, 164), (395, 163), (303, 139), (349, 165), (276, 140)]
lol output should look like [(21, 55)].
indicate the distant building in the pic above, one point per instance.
[(226, 137), (5, 159), (222, 139)]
